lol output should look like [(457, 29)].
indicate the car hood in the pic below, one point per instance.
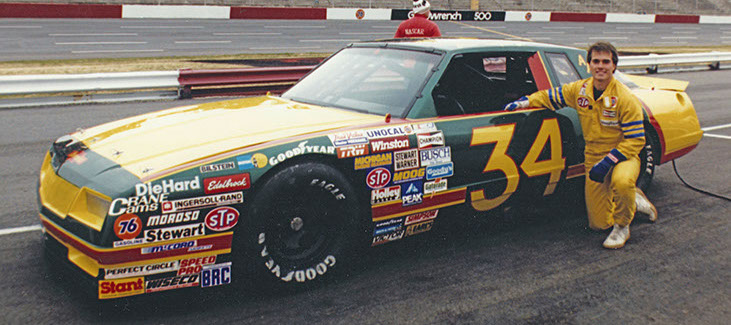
[(161, 140)]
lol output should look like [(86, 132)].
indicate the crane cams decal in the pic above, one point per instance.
[(300, 275)]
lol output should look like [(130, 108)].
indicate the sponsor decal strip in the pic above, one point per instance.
[(575, 171), (106, 256), (438, 200)]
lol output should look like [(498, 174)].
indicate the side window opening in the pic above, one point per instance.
[(483, 82), (565, 71)]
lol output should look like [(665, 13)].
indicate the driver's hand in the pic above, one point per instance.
[(522, 102)]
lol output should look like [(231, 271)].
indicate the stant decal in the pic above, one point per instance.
[(216, 275), (172, 233), (389, 144), (127, 226), (352, 151), (421, 216), (371, 161), (217, 167), (222, 219), (428, 140), (406, 159), (168, 186), (435, 156), (227, 183), (378, 177), (121, 288), (140, 270), (384, 195), (257, 160), (202, 202)]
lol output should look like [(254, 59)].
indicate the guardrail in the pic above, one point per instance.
[(186, 83)]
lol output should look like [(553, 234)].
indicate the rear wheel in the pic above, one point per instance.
[(303, 223), (648, 159)]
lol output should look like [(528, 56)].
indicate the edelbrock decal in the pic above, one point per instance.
[(227, 183)]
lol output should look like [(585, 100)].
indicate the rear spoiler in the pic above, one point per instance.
[(653, 83)]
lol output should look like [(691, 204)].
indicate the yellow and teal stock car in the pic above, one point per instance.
[(364, 150)]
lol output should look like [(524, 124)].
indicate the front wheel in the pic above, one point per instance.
[(303, 223)]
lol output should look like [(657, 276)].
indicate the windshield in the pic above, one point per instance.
[(372, 80)]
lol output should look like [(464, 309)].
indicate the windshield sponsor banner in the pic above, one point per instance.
[(168, 186), (435, 186), (428, 140), (121, 288), (176, 282), (172, 218), (371, 161), (216, 275), (139, 270), (217, 167), (136, 204), (202, 202), (257, 160), (226, 183), (387, 194), (421, 216), (454, 15), (435, 156), (406, 159), (389, 132), (389, 144), (172, 233), (439, 171)]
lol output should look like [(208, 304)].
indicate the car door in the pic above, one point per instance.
[(499, 157)]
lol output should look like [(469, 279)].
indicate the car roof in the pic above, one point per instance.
[(461, 44)]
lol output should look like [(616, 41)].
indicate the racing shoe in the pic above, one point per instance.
[(645, 206), (617, 237)]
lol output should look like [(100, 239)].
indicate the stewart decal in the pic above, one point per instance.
[(378, 177)]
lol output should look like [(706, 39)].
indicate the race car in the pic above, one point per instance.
[(365, 150)]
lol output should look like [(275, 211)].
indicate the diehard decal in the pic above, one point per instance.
[(127, 226), (371, 161), (202, 202), (406, 159), (168, 186), (435, 156), (378, 177), (222, 219), (226, 183)]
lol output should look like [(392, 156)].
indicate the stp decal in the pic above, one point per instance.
[(221, 219), (378, 178)]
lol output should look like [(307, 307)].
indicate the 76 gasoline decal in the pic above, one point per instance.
[(127, 226)]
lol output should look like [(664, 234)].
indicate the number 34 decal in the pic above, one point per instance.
[(500, 161)]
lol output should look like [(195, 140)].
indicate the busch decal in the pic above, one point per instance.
[(435, 156)]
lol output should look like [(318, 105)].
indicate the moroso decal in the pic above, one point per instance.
[(227, 183), (172, 233), (371, 161), (121, 288), (378, 178), (222, 219), (127, 226), (171, 218)]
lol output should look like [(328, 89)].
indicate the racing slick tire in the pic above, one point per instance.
[(303, 225), (649, 157)]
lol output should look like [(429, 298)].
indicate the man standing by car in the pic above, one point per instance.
[(419, 25), (612, 122)]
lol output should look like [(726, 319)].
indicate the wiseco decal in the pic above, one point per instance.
[(176, 282), (227, 183), (121, 288), (389, 144)]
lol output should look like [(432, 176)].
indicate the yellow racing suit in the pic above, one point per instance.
[(612, 121)]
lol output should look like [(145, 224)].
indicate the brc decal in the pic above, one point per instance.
[(378, 178), (222, 219), (409, 175), (121, 288), (352, 151), (216, 275), (499, 160), (227, 183), (257, 160), (421, 216), (371, 161), (127, 226), (389, 144), (406, 159)]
